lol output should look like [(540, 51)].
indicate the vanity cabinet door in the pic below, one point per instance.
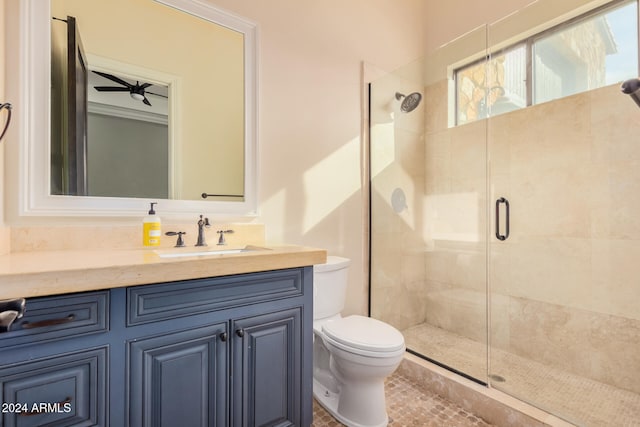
[(179, 379), (267, 373)]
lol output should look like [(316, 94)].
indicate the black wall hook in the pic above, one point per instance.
[(6, 125)]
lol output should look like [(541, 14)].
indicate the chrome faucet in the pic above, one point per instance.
[(202, 223)]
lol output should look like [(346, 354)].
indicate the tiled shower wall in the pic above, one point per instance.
[(568, 281), (397, 169)]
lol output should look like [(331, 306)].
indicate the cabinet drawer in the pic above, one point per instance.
[(67, 390), (165, 301), (59, 317)]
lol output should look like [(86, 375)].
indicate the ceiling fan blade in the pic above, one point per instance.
[(111, 89), (156, 94), (145, 85), (146, 101), (113, 78)]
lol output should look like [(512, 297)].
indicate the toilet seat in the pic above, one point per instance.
[(364, 336)]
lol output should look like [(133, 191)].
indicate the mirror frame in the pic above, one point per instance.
[(30, 162)]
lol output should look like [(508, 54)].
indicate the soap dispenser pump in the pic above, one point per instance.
[(151, 228)]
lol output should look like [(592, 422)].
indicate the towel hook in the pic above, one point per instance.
[(6, 125)]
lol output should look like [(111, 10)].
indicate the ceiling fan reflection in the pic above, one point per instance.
[(137, 91)]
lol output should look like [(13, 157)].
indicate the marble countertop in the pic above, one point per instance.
[(31, 274)]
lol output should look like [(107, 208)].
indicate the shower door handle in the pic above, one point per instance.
[(504, 236)]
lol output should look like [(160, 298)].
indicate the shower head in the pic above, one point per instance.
[(410, 101), (632, 88)]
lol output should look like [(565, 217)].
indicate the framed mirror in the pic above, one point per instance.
[(202, 74)]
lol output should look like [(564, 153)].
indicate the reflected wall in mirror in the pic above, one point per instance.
[(127, 127), (185, 136)]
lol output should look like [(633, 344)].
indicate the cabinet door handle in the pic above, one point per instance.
[(504, 236), (223, 337), (49, 322), (240, 333)]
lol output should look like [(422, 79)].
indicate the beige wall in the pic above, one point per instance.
[(310, 115), (447, 20)]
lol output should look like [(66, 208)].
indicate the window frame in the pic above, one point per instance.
[(529, 43)]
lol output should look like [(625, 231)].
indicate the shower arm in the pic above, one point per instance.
[(631, 87)]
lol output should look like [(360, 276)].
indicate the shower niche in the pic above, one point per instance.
[(514, 259)]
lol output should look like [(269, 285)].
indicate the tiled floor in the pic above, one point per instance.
[(581, 400), (408, 404)]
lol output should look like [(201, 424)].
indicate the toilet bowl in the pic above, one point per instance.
[(352, 355)]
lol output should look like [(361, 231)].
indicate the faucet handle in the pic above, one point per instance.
[(221, 240), (180, 241), (205, 221)]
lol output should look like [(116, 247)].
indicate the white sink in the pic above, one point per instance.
[(190, 252)]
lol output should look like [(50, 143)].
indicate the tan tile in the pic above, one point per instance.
[(408, 404), (586, 401)]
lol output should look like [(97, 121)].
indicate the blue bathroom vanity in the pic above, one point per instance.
[(231, 350)]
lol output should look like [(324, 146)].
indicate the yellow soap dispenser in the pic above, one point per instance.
[(151, 228)]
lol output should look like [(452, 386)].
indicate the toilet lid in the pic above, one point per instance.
[(364, 333)]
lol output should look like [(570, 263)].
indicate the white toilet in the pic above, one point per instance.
[(352, 355)]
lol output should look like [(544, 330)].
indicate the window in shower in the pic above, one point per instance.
[(590, 51), (493, 86)]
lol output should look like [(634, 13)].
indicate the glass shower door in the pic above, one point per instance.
[(428, 212), (565, 323)]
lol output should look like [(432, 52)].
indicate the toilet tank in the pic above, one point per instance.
[(330, 287)]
